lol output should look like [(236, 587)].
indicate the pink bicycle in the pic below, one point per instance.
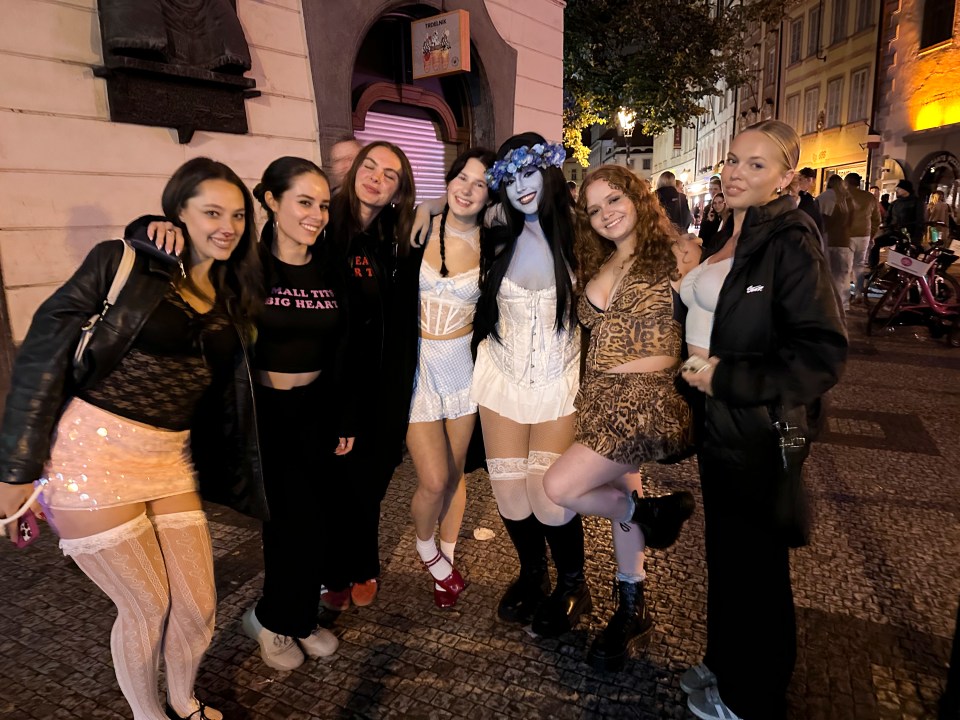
[(919, 291)]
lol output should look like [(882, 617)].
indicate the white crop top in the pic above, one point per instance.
[(447, 304), (700, 291)]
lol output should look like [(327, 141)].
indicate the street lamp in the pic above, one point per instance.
[(627, 120)]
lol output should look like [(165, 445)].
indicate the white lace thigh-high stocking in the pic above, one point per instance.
[(188, 556), (508, 479), (127, 564), (547, 511)]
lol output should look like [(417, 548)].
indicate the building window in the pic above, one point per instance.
[(573, 173), (793, 111), (834, 102), (646, 163), (937, 22), (864, 15), (813, 25), (677, 137), (811, 107), (839, 28), (796, 41), (858, 95), (771, 66)]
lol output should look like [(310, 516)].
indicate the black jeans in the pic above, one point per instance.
[(296, 443), (751, 623)]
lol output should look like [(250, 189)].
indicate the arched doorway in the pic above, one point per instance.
[(939, 171), (373, 41)]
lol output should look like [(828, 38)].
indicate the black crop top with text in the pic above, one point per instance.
[(302, 326)]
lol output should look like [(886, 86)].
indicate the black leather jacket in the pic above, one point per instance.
[(223, 434)]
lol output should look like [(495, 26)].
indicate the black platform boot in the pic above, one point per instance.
[(662, 518), (570, 598), (530, 589), (630, 626)]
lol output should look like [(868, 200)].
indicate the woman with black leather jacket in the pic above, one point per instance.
[(370, 221), (764, 321), (114, 449)]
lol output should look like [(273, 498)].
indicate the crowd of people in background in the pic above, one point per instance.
[(284, 377)]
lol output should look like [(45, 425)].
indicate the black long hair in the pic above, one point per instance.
[(277, 179), (240, 276), (555, 213), (486, 158)]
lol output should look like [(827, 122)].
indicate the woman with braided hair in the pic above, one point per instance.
[(443, 276)]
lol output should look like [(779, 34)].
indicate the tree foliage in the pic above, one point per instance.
[(659, 58)]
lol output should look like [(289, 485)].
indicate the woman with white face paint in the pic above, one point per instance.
[(527, 375)]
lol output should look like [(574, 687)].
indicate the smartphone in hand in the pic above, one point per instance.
[(28, 529), (694, 364)]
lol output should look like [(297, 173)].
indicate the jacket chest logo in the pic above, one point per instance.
[(754, 289)]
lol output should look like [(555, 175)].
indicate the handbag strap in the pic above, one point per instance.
[(119, 280)]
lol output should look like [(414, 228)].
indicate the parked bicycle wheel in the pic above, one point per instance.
[(885, 310)]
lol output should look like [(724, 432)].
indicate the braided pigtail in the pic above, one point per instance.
[(443, 248)]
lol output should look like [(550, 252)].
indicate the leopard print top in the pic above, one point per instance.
[(639, 322)]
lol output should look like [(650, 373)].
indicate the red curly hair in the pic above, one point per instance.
[(655, 234)]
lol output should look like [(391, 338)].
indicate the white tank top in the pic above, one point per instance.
[(700, 291)]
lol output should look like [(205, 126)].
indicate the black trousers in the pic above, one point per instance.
[(361, 479), (751, 623), (297, 444)]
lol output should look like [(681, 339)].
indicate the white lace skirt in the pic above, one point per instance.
[(441, 387), (99, 459)]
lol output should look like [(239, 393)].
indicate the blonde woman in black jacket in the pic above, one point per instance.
[(763, 315), (117, 449)]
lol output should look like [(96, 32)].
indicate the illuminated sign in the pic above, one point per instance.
[(441, 44)]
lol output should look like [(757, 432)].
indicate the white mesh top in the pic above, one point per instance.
[(447, 304)]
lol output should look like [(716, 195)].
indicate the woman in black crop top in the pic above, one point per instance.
[(301, 408), (119, 485)]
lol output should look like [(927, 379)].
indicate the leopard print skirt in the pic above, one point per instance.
[(632, 418)]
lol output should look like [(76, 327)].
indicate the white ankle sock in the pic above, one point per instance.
[(436, 563), (447, 548), (631, 508)]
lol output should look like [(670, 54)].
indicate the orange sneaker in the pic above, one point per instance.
[(364, 593)]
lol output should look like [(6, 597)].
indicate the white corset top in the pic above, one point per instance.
[(700, 291), (447, 304), (531, 351)]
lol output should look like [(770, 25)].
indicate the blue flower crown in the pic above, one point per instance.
[(540, 155)]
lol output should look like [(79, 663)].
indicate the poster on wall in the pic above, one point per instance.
[(441, 44)]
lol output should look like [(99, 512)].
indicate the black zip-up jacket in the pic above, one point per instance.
[(778, 331), (223, 435)]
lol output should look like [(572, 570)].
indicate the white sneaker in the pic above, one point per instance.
[(321, 643), (280, 652), (707, 705), (699, 677)]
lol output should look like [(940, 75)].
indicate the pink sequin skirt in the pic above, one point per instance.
[(99, 460)]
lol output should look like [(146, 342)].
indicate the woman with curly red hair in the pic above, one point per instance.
[(630, 262)]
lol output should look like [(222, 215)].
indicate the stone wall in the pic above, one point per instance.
[(69, 177)]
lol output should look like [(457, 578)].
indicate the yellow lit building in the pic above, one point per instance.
[(829, 58), (919, 108)]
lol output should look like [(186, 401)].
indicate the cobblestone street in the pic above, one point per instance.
[(876, 593)]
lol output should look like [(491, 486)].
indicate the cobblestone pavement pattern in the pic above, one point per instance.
[(876, 594)]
